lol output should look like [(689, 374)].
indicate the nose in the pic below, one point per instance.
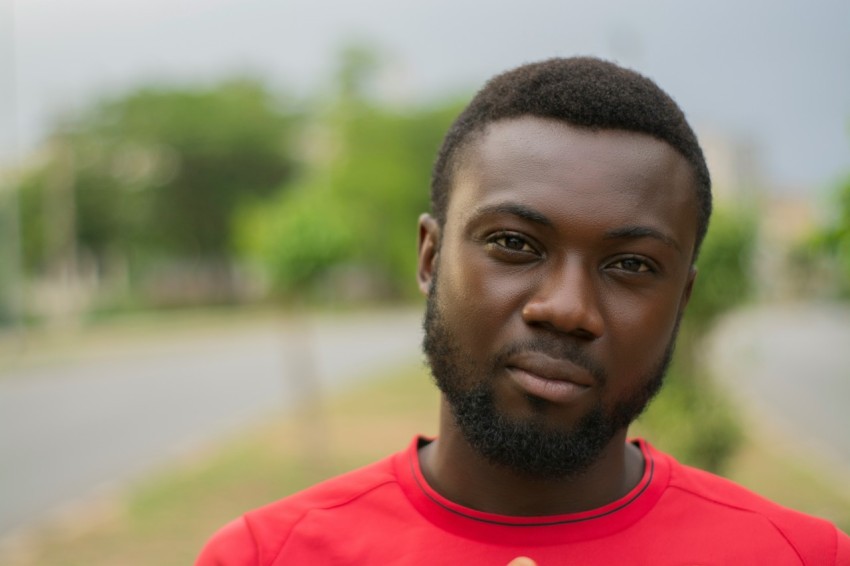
[(566, 301)]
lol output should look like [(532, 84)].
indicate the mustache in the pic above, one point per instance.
[(557, 349)]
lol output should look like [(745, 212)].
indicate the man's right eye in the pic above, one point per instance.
[(512, 242)]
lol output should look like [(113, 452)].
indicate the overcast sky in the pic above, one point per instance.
[(776, 72)]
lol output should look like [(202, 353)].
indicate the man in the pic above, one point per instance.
[(569, 201)]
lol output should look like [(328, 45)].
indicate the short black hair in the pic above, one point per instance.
[(583, 91)]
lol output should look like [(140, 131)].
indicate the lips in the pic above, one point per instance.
[(553, 369), (556, 380)]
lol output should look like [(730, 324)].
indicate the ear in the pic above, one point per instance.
[(429, 247)]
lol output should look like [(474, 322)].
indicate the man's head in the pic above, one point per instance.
[(581, 91), (564, 249)]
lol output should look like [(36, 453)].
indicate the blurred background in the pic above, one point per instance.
[(207, 249)]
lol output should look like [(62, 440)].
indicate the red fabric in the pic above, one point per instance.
[(387, 514)]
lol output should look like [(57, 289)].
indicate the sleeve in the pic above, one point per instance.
[(842, 551), (232, 545)]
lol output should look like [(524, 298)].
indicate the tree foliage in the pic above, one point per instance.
[(833, 241), (196, 153), (358, 201), (155, 175), (724, 268)]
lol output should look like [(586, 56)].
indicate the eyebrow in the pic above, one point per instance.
[(623, 233), (637, 232), (514, 209)]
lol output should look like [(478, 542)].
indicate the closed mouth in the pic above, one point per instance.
[(544, 367)]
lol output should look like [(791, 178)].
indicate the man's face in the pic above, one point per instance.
[(565, 263)]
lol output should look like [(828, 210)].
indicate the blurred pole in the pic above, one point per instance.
[(12, 272), (60, 212), (304, 383)]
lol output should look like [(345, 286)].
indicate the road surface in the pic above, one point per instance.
[(69, 431), (791, 364)]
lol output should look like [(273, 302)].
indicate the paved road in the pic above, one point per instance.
[(792, 363), (67, 431)]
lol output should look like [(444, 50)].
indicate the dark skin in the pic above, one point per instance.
[(587, 236)]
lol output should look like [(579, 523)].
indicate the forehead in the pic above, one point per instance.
[(569, 173)]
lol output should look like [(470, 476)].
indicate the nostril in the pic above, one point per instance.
[(555, 327), (574, 317), (584, 334)]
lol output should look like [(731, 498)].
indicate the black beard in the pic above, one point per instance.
[(528, 447)]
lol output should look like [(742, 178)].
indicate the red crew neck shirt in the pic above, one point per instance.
[(386, 513)]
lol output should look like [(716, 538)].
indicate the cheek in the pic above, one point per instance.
[(639, 330), (480, 298)]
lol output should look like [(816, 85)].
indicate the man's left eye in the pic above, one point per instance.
[(632, 264)]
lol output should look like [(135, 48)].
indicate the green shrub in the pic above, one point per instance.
[(724, 268)]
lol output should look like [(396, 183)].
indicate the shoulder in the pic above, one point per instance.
[(814, 539), (232, 544), (276, 519), (257, 537)]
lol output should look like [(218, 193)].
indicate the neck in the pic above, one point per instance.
[(458, 472)]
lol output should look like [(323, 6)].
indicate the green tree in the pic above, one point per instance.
[(724, 267), (198, 153), (357, 202), (833, 242), (158, 173)]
